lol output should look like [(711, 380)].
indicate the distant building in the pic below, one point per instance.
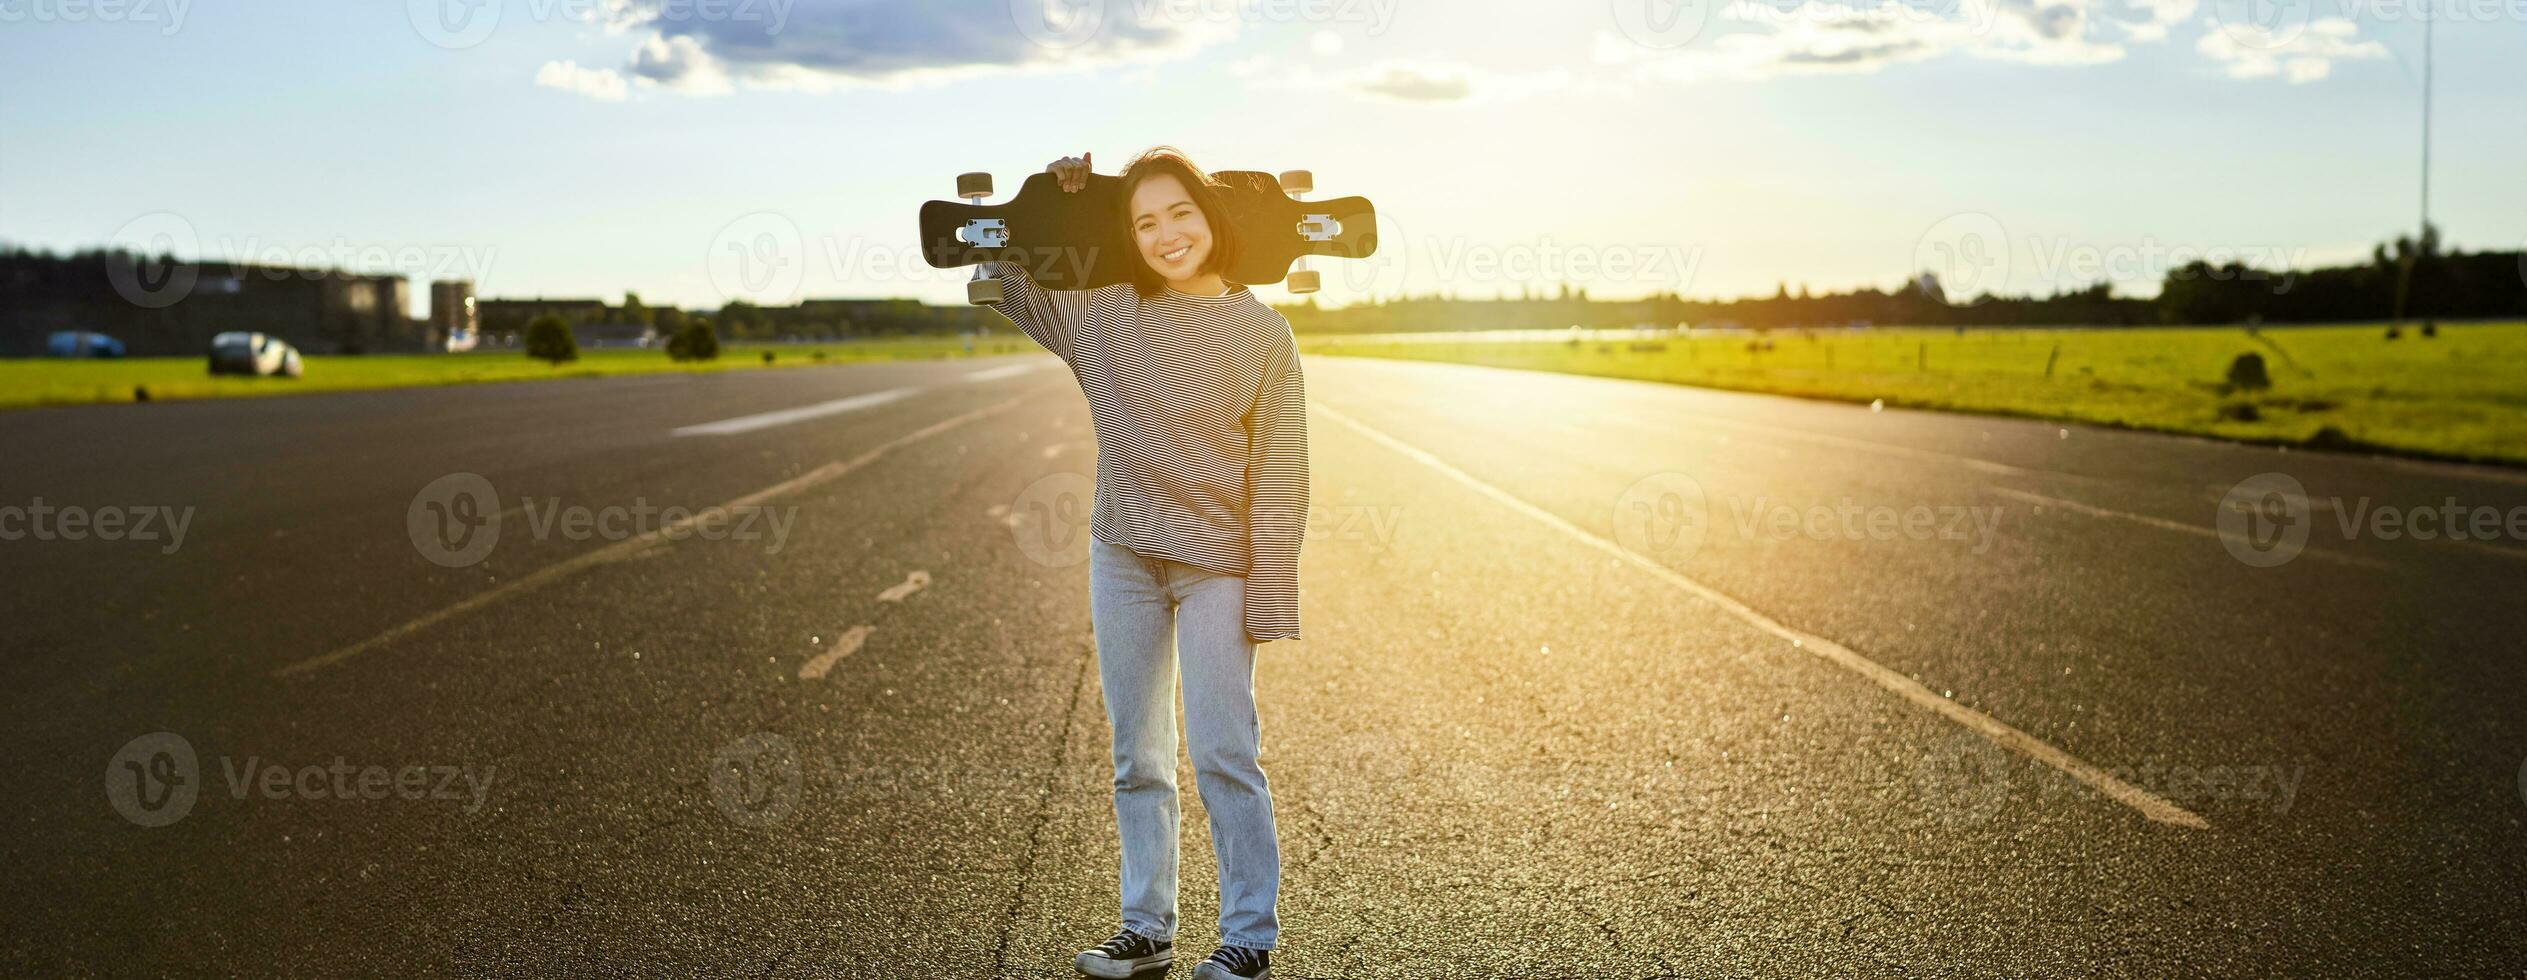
[(505, 317), (160, 306), (452, 313), (615, 335)]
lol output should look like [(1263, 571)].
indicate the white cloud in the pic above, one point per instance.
[(604, 84), (825, 44), (2299, 57)]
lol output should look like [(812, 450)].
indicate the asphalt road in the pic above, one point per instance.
[(1602, 679)]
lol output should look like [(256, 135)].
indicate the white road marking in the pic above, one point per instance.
[(633, 547), (766, 420), (2149, 804), (845, 645), (2167, 525), (911, 584), (1007, 371)]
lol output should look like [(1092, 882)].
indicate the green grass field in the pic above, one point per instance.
[(2461, 395), (41, 381)]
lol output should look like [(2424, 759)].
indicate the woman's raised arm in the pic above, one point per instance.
[(1051, 316)]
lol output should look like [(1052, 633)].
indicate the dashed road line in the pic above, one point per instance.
[(911, 584), (2164, 524), (632, 547), (845, 645), (766, 420), (1007, 371)]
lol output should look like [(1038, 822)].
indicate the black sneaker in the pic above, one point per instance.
[(1235, 963), (1124, 955)]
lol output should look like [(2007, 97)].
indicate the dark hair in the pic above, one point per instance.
[(1171, 162)]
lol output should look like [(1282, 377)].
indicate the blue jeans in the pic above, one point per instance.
[(1135, 604)]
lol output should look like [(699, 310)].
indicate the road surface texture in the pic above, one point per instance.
[(1601, 679)]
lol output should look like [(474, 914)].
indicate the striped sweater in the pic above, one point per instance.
[(1201, 419)]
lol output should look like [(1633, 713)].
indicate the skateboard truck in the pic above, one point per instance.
[(1312, 227), (981, 233)]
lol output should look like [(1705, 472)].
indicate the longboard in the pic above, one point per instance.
[(1078, 240)]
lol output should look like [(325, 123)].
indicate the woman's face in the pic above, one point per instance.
[(1173, 235)]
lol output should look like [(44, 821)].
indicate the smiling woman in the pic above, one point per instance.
[(1201, 503)]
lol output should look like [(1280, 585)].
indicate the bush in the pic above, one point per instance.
[(548, 339), (2247, 373), (696, 342)]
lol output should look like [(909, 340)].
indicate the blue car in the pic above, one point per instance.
[(82, 343)]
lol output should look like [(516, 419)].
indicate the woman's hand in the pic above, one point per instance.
[(1071, 172)]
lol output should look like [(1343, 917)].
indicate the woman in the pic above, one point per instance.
[(1201, 422)]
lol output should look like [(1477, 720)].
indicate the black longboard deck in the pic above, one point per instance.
[(1079, 240)]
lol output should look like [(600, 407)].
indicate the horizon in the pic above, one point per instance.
[(1948, 138)]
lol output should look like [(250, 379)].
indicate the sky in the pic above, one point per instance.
[(771, 150)]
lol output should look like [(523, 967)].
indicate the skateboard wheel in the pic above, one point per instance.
[(981, 291), (1296, 182), (973, 185), (1304, 281)]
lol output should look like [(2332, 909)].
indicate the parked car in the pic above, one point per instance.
[(253, 354), (82, 343)]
